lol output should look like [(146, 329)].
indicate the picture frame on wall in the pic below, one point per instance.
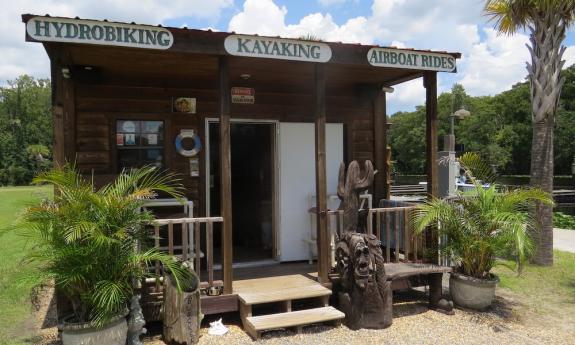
[(185, 105)]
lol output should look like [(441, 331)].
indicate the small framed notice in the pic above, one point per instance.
[(243, 95)]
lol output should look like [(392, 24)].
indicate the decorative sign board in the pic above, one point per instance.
[(385, 57), (97, 32), (243, 95), (277, 48)]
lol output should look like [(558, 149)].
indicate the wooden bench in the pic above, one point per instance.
[(396, 271)]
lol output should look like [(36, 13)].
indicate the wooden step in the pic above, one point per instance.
[(288, 294), (276, 289), (254, 325)]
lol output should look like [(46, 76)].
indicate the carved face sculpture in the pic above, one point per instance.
[(361, 261)]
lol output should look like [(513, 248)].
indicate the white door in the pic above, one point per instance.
[(297, 182)]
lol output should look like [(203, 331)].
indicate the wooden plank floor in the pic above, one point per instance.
[(274, 270)]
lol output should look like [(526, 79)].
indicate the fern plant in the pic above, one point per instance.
[(484, 224), (93, 242)]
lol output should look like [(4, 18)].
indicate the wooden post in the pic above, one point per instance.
[(430, 83), (225, 174), (320, 175), (381, 187)]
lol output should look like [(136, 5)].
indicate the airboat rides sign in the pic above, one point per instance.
[(97, 32), (384, 57), (277, 48)]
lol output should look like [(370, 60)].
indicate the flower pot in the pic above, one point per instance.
[(85, 333), (472, 293)]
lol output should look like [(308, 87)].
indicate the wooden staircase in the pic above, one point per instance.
[(283, 290)]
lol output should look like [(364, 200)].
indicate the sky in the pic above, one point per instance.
[(490, 63)]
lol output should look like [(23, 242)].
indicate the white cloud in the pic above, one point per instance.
[(495, 64), (20, 57)]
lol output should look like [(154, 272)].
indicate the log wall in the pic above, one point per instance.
[(98, 106)]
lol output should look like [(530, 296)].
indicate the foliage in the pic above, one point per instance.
[(25, 129), (499, 129), (86, 240), (512, 15), (482, 225), (563, 221)]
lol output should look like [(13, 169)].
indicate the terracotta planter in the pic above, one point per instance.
[(114, 333), (472, 293)]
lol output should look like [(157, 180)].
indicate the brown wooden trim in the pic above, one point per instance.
[(320, 173), (430, 83), (219, 304), (212, 43), (380, 143), (225, 174)]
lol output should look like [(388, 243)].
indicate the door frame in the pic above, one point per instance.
[(275, 173)]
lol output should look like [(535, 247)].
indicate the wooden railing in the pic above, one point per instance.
[(191, 229), (393, 227)]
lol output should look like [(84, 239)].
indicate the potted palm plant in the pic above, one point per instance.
[(92, 244), (481, 226)]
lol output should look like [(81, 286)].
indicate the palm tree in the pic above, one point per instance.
[(547, 22), (482, 225), (87, 239)]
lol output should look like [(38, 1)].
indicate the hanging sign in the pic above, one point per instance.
[(53, 29), (277, 48), (385, 57), (243, 95)]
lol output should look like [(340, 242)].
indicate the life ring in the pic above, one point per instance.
[(184, 134)]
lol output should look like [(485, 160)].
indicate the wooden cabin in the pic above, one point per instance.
[(256, 126)]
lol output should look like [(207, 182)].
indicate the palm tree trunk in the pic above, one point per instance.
[(546, 51), (542, 177)]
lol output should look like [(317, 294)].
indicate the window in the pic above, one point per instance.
[(139, 143)]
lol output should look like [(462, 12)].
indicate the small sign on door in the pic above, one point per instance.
[(243, 95)]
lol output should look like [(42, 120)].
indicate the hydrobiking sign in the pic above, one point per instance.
[(385, 57), (54, 29), (277, 48)]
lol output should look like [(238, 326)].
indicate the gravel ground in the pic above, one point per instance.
[(413, 323)]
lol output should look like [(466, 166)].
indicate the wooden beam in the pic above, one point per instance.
[(225, 174), (430, 83), (320, 175), (381, 188)]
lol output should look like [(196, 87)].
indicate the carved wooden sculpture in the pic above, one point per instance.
[(348, 190), (366, 296)]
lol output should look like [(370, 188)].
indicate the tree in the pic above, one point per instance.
[(25, 129), (547, 22)]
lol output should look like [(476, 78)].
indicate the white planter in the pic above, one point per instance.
[(114, 333), (472, 293)]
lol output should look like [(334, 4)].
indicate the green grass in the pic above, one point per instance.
[(14, 299), (544, 289)]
